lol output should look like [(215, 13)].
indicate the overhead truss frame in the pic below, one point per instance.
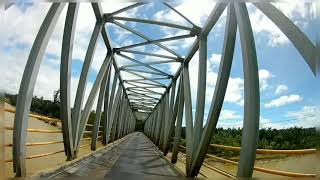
[(121, 98)]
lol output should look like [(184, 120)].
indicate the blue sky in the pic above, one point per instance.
[(289, 90)]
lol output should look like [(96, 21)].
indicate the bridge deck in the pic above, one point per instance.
[(134, 158)]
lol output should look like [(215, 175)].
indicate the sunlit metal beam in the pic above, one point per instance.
[(126, 8), (145, 37), (146, 65), (149, 54), (147, 21), (157, 41)]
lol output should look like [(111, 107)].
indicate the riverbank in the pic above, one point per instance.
[(47, 162), (307, 164)]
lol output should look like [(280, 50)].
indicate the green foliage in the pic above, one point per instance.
[(291, 138), (46, 107), (40, 106)]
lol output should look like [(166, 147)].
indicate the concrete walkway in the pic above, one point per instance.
[(135, 157)]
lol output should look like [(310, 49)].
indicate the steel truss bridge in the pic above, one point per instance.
[(120, 99)]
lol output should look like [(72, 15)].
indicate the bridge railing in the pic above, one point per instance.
[(176, 104), (119, 118), (256, 168), (116, 99), (45, 131)]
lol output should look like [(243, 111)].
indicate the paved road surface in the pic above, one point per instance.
[(140, 159), (134, 158)]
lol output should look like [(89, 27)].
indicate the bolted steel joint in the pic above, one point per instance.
[(196, 31), (107, 18)]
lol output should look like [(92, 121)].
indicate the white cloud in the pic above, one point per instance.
[(19, 36), (197, 12), (262, 24), (234, 93), (215, 60), (307, 116), (264, 76), (236, 123), (227, 114), (281, 88), (297, 11), (269, 123), (283, 100)]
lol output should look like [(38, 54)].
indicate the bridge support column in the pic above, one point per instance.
[(159, 122), (201, 93), (250, 132), (65, 77), (109, 109), (219, 92), (105, 110), (113, 115), (116, 119), (96, 126), (178, 128), (173, 116), (155, 122), (27, 86), (188, 117), (165, 119), (93, 93), (76, 115)]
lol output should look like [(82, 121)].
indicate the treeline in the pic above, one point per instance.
[(291, 138), (45, 107), (39, 105), (52, 108)]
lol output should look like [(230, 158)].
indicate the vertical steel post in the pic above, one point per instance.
[(115, 119), (160, 122), (111, 101), (155, 120), (27, 86), (101, 97), (201, 92), (166, 116), (126, 121), (172, 119), (250, 132), (65, 77), (188, 117), (177, 133), (113, 111), (76, 115), (105, 110), (93, 93), (122, 118), (219, 92)]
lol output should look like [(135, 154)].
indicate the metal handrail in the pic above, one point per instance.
[(46, 154), (36, 130), (35, 116), (186, 163), (39, 155), (220, 171), (265, 170), (270, 171), (211, 168), (267, 151), (37, 143)]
